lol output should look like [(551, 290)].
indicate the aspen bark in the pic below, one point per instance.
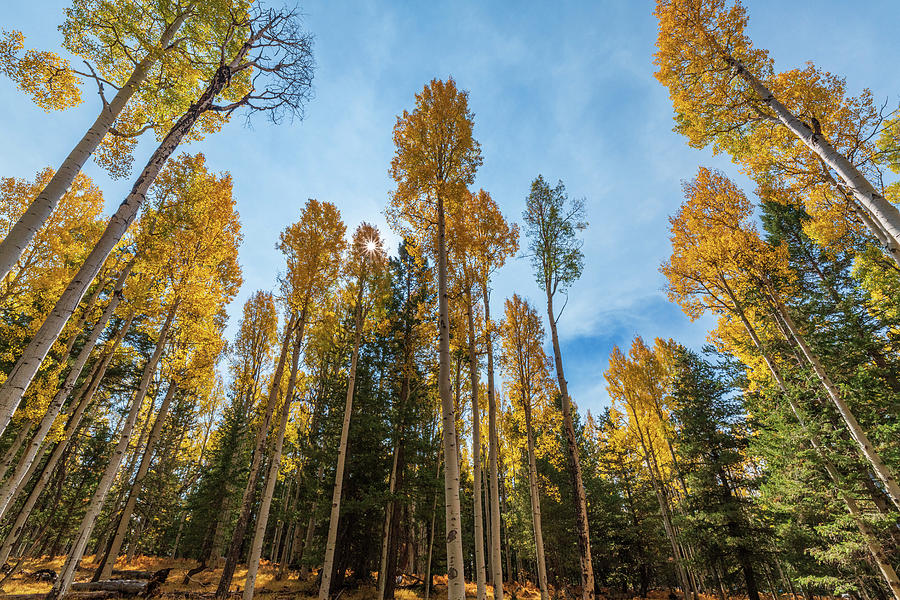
[(67, 573), (106, 568), (686, 587), (310, 527), (10, 455), (7, 492), (388, 517), (13, 389), (874, 546), (480, 572), (883, 212), (85, 395), (456, 584), (486, 501), (581, 517), (240, 528), (856, 431), (42, 207), (429, 580), (535, 494), (331, 542), (509, 570), (388, 568), (493, 452), (262, 517)]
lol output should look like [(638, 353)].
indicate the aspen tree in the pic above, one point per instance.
[(124, 46), (716, 218), (267, 42), (366, 265), (525, 363), (436, 158), (725, 92), (552, 222), (191, 243), (714, 249), (482, 241), (313, 248)]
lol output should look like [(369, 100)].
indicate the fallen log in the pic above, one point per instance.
[(128, 587), (131, 574)]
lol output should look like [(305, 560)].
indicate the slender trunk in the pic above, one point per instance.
[(486, 501), (331, 542), (428, 576), (456, 584), (883, 212), (67, 573), (581, 516), (388, 568), (856, 431), (240, 528), (10, 455), (85, 395), (13, 389), (106, 567), (7, 492), (274, 465), (872, 542), (663, 506), (493, 453), (310, 527), (290, 536), (509, 571), (535, 494), (480, 572), (42, 207), (388, 518)]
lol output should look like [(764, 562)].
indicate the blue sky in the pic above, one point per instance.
[(564, 89)]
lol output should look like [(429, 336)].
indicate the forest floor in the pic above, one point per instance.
[(204, 583)]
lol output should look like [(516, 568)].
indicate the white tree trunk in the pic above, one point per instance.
[(10, 455), (853, 426), (237, 536), (7, 492), (456, 581), (535, 494), (480, 571), (574, 463), (67, 573), (29, 362), (85, 395), (871, 540), (388, 517), (331, 542), (883, 212), (42, 207), (144, 467), (262, 518), (493, 451)]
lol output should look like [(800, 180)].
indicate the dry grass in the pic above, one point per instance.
[(201, 583), (204, 583)]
